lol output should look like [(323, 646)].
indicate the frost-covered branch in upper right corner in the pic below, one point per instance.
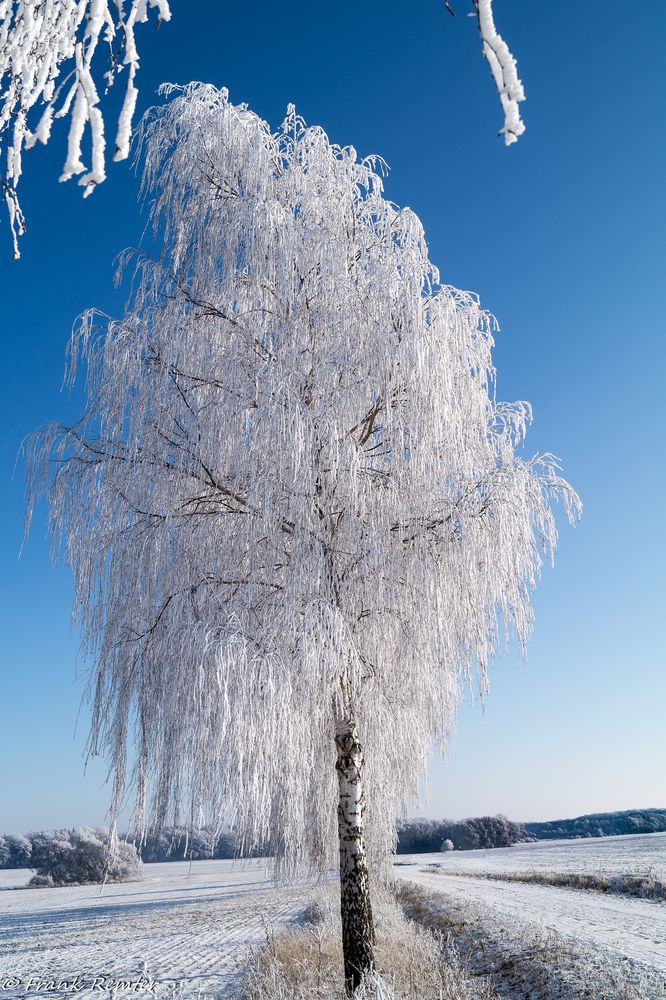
[(504, 70)]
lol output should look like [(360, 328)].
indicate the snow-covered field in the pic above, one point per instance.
[(630, 855), (632, 929), (190, 928), (177, 926)]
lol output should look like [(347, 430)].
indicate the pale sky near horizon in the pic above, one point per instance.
[(562, 235)]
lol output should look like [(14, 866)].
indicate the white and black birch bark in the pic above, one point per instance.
[(358, 935)]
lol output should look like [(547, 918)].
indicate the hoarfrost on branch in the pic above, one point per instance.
[(39, 41), (504, 70), (293, 496)]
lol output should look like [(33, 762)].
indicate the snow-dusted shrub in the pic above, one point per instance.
[(447, 845), (81, 856), (41, 882)]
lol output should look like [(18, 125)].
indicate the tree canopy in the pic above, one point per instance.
[(293, 494)]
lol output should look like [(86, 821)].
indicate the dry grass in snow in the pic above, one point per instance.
[(306, 963), (646, 886)]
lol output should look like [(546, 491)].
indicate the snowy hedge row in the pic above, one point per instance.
[(26, 851)]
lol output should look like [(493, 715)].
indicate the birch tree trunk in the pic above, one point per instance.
[(358, 934)]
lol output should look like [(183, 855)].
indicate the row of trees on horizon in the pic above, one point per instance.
[(415, 836), (424, 836), (609, 824)]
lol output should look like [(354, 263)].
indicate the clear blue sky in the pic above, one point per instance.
[(563, 235)]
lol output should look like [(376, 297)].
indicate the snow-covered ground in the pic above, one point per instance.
[(629, 928), (631, 855), (194, 925), (12, 878), (179, 925)]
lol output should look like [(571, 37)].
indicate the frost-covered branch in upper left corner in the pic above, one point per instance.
[(38, 44)]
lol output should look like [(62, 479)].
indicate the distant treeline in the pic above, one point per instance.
[(610, 824), (16, 850), (179, 845), (424, 836), (415, 836)]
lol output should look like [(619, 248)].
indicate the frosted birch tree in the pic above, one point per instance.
[(47, 50), (298, 520)]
